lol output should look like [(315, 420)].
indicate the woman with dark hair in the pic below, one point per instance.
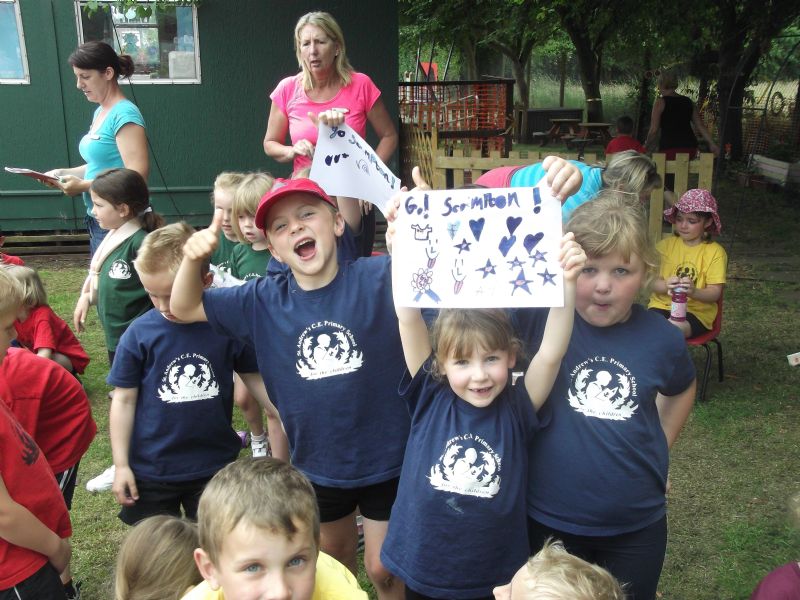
[(116, 137), (326, 84)]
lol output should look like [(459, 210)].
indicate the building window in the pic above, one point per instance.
[(163, 45), (13, 58)]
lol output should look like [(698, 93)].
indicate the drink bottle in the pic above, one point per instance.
[(679, 299)]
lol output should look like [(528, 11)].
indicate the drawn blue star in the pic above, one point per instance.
[(463, 246), (520, 282), (515, 264), (547, 277), (487, 270), (537, 256)]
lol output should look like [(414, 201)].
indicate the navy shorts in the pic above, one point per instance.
[(375, 501), (158, 498)]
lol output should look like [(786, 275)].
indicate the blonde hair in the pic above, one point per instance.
[(631, 172), (10, 292), (162, 249), (328, 24), (555, 574), (265, 493), (33, 292), (247, 197), (227, 180), (156, 560), (457, 332), (668, 80), (614, 222)]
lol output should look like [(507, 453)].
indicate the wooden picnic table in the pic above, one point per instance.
[(599, 131), (560, 127)]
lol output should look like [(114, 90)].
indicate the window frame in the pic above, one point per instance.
[(26, 75), (196, 80)]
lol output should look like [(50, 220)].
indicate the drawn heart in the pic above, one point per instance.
[(512, 223), (530, 241), (476, 225), (506, 243)]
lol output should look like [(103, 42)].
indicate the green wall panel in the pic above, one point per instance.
[(195, 130)]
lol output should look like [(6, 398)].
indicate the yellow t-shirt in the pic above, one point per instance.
[(705, 263), (333, 582)]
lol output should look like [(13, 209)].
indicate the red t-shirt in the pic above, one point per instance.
[(29, 482), (624, 142), (50, 404), (45, 329), (11, 260)]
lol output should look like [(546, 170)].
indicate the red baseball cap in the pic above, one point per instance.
[(284, 187)]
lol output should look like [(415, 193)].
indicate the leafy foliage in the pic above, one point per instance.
[(143, 9)]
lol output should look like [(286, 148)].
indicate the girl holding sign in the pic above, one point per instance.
[(462, 482)]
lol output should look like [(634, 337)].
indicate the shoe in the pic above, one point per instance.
[(259, 447), (103, 482), (73, 590), (245, 437)]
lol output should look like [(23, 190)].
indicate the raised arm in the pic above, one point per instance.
[(186, 302), (413, 331), (542, 371)]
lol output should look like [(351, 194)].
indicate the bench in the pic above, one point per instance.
[(51, 243)]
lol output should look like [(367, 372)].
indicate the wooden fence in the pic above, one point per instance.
[(453, 167)]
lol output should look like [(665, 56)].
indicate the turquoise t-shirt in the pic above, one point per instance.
[(99, 148), (592, 182)]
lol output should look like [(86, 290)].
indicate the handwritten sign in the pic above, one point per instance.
[(478, 248), (345, 165)]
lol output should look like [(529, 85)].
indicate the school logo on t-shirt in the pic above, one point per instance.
[(468, 466), (687, 269), (119, 270), (188, 378), (325, 349), (604, 388)]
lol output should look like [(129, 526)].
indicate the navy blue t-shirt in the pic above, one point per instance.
[(458, 525), (599, 467), (331, 360), (184, 371)]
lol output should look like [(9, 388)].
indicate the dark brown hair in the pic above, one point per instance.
[(126, 186), (99, 56)]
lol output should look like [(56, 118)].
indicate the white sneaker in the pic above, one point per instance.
[(102, 482), (259, 447)]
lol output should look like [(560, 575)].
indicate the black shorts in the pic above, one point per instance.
[(158, 498), (45, 583), (66, 483), (375, 501), (695, 326)]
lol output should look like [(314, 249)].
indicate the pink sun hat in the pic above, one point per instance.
[(697, 201)]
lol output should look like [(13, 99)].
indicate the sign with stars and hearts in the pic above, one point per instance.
[(478, 248)]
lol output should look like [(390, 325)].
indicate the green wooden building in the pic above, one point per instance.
[(203, 80)]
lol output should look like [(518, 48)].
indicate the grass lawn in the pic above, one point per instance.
[(734, 468)]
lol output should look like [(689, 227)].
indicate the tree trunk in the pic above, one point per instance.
[(643, 102), (469, 64), (589, 60)]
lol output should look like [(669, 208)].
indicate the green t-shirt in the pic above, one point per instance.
[(120, 295), (223, 254), (247, 263)]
